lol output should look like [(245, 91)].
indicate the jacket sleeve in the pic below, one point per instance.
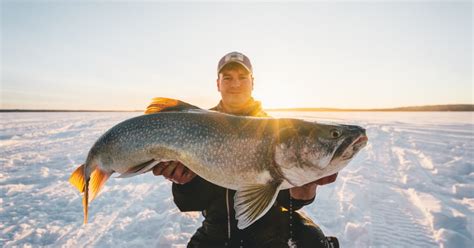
[(283, 199), (194, 195)]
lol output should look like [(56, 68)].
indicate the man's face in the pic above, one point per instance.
[(235, 86)]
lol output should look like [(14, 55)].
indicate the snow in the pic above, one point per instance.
[(412, 186)]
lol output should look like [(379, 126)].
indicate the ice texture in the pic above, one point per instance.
[(412, 186)]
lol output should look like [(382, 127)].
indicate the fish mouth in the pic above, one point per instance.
[(347, 150), (352, 149), (361, 141)]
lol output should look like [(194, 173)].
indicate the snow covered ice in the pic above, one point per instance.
[(412, 186)]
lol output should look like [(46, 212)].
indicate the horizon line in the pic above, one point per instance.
[(440, 107)]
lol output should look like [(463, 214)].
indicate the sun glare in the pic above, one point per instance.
[(278, 99), (284, 95)]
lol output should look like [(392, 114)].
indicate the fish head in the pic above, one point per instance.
[(353, 139), (313, 150)]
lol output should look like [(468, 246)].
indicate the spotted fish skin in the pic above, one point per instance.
[(212, 144), (257, 157)]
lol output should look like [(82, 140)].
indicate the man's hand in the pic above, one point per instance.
[(174, 171), (308, 191)]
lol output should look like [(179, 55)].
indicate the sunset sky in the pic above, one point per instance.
[(118, 55)]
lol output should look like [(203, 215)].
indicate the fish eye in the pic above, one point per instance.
[(335, 133)]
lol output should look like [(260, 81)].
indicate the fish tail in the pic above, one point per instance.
[(85, 202), (77, 178), (90, 186)]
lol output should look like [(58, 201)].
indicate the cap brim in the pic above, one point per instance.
[(234, 61)]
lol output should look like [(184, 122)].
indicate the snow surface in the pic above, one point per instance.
[(412, 186)]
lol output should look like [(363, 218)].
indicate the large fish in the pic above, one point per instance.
[(257, 157)]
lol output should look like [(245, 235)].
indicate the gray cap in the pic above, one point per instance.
[(235, 57)]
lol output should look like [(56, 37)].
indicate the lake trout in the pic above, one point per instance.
[(255, 156)]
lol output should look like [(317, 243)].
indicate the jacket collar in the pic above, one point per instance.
[(252, 108)]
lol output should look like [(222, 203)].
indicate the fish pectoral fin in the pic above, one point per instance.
[(251, 202), (162, 104), (139, 169)]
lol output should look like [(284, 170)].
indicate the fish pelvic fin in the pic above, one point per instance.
[(162, 104), (139, 169), (251, 202), (90, 186)]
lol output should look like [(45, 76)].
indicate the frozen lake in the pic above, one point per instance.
[(412, 186)]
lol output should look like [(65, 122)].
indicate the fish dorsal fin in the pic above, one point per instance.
[(139, 169), (251, 202), (162, 104)]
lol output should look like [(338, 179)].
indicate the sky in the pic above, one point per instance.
[(111, 55)]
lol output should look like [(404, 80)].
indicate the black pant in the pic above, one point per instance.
[(303, 232)]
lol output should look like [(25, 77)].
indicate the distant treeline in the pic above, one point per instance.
[(428, 108)]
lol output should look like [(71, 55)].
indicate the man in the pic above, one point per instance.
[(219, 229)]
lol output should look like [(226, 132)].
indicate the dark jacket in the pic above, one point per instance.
[(216, 204)]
